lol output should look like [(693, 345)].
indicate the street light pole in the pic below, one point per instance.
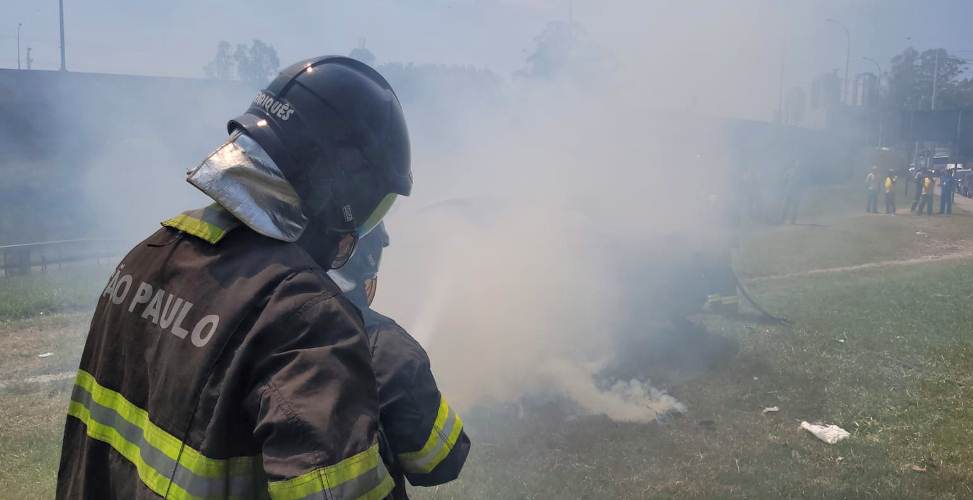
[(877, 66), (935, 81), (881, 116), (61, 10), (18, 44), (780, 88), (844, 86)]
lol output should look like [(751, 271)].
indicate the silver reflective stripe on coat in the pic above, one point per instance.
[(244, 180), (445, 432), (252, 485), (356, 488)]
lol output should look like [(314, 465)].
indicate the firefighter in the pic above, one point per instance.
[(221, 361), (423, 436)]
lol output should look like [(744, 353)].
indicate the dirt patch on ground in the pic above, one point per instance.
[(953, 251), (42, 346)]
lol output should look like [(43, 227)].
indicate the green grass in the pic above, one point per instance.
[(900, 382), (64, 290)]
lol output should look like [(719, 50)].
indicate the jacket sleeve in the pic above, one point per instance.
[(313, 397), (425, 434)]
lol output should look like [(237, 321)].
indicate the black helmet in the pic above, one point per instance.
[(336, 130), (358, 278)]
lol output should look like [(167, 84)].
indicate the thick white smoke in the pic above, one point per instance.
[(508, 268)]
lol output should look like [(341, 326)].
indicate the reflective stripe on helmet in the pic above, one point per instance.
[(377, 215), (445, 432), (163, 462)]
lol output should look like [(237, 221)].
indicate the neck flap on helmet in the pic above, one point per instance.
[(244, 180)]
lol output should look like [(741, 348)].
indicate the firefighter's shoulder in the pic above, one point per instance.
[(391, 344)]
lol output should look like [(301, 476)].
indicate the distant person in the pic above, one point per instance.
[(872, 183), (750, 191), (947, 187), (928, 188), (890, 192), (912, 173), (917, 178), (792, 194)]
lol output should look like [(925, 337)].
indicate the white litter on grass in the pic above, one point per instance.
[(771, 409), (45, 355), (830, 433)]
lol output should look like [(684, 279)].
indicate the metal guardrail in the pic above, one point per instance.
[(23, 258)]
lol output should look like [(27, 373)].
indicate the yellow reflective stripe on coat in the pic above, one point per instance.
[(164, 463), (210, 223), (362, 476), (196, 227), (445, 432)]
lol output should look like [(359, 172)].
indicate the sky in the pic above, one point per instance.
[(739, 43)]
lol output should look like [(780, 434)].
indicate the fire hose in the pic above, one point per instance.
[(756, 305)]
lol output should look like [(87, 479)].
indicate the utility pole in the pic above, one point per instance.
[(877, 66), (61, 9), (935, 81), (880, 101), (844, 86), (18, 44), (780, 88)]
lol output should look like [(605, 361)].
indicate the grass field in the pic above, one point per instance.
[(885, 352)]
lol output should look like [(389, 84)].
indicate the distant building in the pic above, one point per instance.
[(826, 91), (795, 106), (866, 92)]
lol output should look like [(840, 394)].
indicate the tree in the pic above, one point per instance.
[(554, 51), (257, 63), (222, 65), (362, 54), (562, 51), (913, 74)]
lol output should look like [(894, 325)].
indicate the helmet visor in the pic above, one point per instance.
[(377, 215)]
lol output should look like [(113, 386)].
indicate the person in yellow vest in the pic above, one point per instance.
[(890, 192), (928, 187)]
